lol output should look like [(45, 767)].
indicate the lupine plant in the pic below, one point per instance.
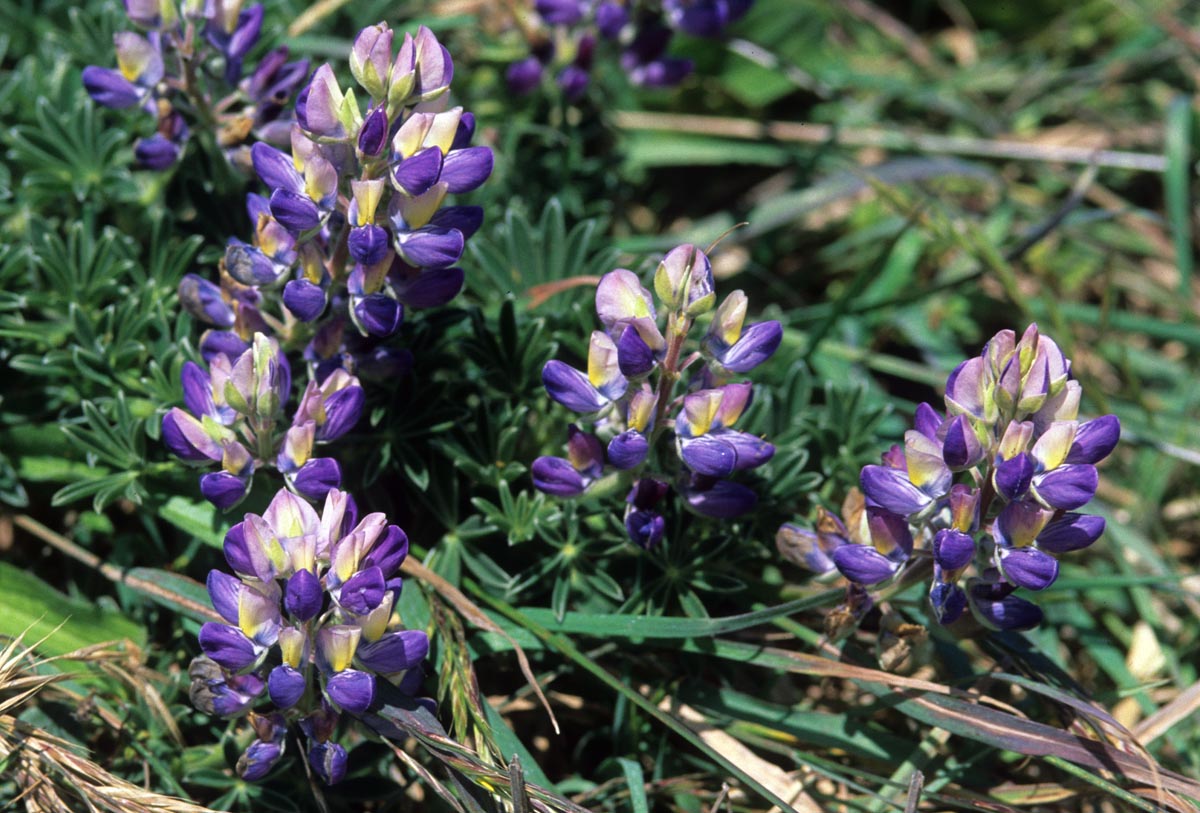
[(187, 69), (563, 36), (308, 613), (988, 491), (629, 392), (235, 415), (353, 232), (354, 228), (591, 591)]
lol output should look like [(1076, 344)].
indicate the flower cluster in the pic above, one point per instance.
[(354, 228), (563, 35), (628, 392), (994, 483), (188, 66), (307, 624), (234, 417)]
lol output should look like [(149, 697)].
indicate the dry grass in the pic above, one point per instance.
[(53, 775)]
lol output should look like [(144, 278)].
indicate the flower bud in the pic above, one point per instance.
[(370, 59), (435, 68), (286, 686), (328, 760), (684, 281)]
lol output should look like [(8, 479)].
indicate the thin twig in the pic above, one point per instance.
[(915, 785), (892, 139), (1185, 706), (314, 14), (109, 571), (1078, 192), (894, 30), (765, 59)]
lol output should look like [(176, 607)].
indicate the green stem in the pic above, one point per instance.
[(677, 330), (187, 59)]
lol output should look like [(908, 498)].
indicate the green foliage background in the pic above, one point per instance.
[(891, 235)]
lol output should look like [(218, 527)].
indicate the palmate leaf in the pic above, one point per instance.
[(11, 490), (69, 147), (509, 351), (89, 265), (115, 439), (516, 257)]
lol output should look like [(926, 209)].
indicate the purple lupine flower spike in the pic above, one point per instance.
[(308, 617), (1022, 461), (626, 390)]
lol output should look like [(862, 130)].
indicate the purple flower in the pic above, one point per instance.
[(610, 19), (560, 12), (1027, 567), (628, 449), (316, 478), (370, 59), (574, 81), (1024, 462), (703, 18), (305, 300), (328, 759), (635, 358), (395, 652), (591, 391), (205, 301), (569, 477), (1070, 531), (110, 88), (892, 490), (285, 686), (947, 599), (813, 549), (556, 476), (995, 606), (258, 760), (293, 556), (864, 565), (228, 646), (1012, 478), (418, 173), (225, 591), (155, 153), (961, 447), (1067, 487), (372, 138), (645, 528), (351, 690), (723, 499), (224, 489), (465, 169), (755, 346), (304, 596), (429, 288), (953, 550), (187, 439), (524, 75), (1094, 440), (723, 452)]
